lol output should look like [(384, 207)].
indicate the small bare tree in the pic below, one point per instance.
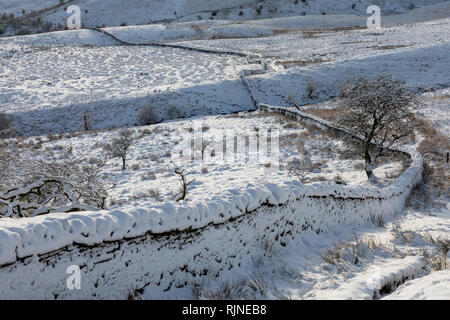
[(38, 187), (184, 183), (119, 146), (300, 169), (379, 111), (86, 121), (201, 145)]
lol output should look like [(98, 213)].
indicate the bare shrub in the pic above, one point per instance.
[(379, 111), (150, 193), (225, 291), (148, 175), (437, 262), (148, 115), (5, 123), (300, 169), (6, 128), (377, 220), (436, 177), (444, 245), (310, 90), (291, 125), (155, 194), (23, 32), (435, 143), (119, 146), (325, 113), (201, 145), (332, 255), (56, 185), (268, 246), (135, 294), (404, 236), (257, 284), (175, 113)]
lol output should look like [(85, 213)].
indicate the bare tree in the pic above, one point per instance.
[(379, 111), (119, 146), (184, 183), (60, 185)]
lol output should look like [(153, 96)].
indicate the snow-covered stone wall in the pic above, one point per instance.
[(168, 247)]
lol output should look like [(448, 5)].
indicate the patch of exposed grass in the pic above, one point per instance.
[(377, 220)]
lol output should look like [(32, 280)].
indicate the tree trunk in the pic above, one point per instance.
[(123, 163), (368, 165), (369, 172)]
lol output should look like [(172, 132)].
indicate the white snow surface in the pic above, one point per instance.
[(50, 78), (113, 81), (38, 235), (435, 286), (116, 12)]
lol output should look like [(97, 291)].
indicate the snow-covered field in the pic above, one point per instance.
[(156, 153), (110, 81), (116, 12), (70, 92)]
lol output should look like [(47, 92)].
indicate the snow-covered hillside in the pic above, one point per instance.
[(118, 12), (45, 77), (186, 146)]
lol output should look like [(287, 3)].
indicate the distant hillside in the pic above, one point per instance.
[(45, 15)]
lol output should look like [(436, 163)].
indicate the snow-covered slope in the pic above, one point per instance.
[(435, 286), (116, 12), (41, 81)]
